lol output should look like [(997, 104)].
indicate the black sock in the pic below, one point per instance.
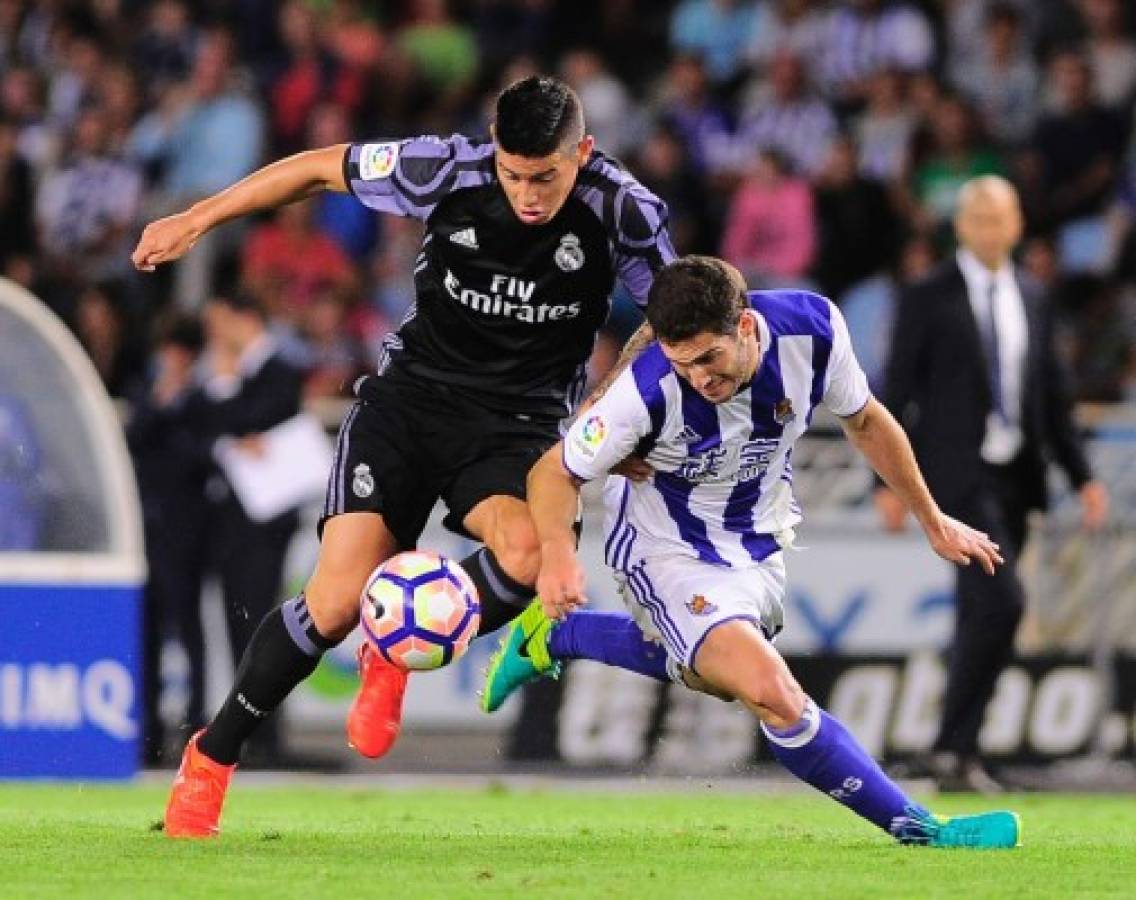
[(284, 650), (502, 598)]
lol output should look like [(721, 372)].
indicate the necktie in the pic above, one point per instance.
[(990, 346)]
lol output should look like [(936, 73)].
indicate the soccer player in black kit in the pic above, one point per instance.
[(525, 236)]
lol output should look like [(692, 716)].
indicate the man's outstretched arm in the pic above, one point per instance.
[(553, 498), (878, 436), (277, 184)]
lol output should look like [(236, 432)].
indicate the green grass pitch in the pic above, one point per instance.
[(312, 842)]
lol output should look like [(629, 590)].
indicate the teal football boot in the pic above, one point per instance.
[(521, 656), (1000, 830)]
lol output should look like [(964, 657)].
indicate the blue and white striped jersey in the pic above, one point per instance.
[(723, 485)]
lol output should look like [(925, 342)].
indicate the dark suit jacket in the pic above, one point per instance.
[(937, 386), (270, 396), (173, 447), (171, 461), (265, 399)]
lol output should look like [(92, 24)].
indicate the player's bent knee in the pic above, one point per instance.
[(334, 606), (353, 545), (518, 552), (777, 699)]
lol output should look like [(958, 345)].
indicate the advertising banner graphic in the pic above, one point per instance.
[(69, 698), (1044, 709)]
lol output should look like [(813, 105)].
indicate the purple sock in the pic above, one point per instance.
[(821, 751), (611, 638)]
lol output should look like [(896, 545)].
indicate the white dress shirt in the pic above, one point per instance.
[(224, 387), (1003, 437)]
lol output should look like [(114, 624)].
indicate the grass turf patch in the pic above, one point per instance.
[(79, 841)]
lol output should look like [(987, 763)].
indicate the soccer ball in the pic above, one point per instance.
[(419, 610)]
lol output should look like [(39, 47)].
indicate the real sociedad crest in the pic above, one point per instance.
[(569, 255), (700, 606), (363, 484), (783, 412)]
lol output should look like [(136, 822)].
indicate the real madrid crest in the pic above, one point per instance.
[(363, 484), (569, 256)]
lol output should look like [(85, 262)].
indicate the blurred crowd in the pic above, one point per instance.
[(811, 143)]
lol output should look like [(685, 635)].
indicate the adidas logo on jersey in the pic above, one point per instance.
[(688, 435), (467, 238)]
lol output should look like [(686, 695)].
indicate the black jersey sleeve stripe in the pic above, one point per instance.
[(409, 177), (634, 218), (652, 254), (603, 169), (438, 187)]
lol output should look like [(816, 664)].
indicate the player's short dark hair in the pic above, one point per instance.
[(693, 295), (537, 116)]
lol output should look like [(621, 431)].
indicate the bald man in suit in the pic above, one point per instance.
[(974, 377)]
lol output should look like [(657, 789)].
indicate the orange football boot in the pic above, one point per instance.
[(375, 717), (197, 795)]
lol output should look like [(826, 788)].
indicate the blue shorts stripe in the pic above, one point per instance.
[(663, 610), (617, 550), (627, 546), (638, 583), (656, 602)]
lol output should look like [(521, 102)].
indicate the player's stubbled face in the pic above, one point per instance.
[(716, 365), (538, 186)]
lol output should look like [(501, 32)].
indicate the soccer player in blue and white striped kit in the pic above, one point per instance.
[(715, 407)]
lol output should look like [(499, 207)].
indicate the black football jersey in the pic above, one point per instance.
[(504, 311)]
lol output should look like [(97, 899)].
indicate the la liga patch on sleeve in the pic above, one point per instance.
[(377, 160), (588, 439)]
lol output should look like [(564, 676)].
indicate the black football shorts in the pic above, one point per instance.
[(405, 443)]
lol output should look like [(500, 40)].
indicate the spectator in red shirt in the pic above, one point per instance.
[(313, 73), (287, 262)]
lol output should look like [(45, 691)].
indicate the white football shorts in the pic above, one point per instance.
[(678, 600)]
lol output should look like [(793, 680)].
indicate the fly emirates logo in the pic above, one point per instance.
[(510, 297)]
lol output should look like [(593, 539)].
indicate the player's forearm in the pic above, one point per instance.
[(883, 443), (553, 497), (635, 345), (282, 182)]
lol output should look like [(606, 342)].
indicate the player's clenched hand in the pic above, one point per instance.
[(957, 542), (635, 468), (560, 584), (166, 240)]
